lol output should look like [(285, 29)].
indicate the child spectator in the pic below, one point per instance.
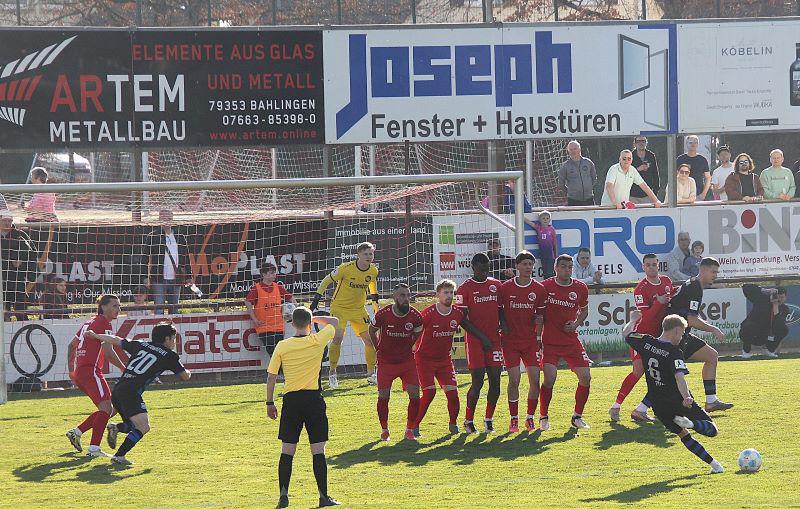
[(264, 303), (140, 299), (547, 242), (42, 207), (691, 265), (54, 299)]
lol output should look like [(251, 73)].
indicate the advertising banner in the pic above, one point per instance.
[(462, 83), (159, 88), (739, 76), (748, 240)]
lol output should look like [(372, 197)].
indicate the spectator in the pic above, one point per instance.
[(686, 186), (166, 256), (502, 265), (796, 170), (577, 177), (619, 180), (721, 173), (777, 180), (674, 260), (766, 323), (691, 265), (42, 207), (506, 201), (18, 258), (548, 242), (743, 184), (140, 294), (54, 299), (698, 165), (584, 270), (264, 303), (646, 164)]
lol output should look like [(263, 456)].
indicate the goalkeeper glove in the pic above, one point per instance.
[(315, 302)]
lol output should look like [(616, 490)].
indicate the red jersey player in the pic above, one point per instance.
[(651, 296), (522, 301), (566, 309), (87, 373), (433, 354), (478, 296), (394, 333)]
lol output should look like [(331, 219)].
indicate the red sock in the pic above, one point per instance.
[(424, 403), (413, 409), (513, 408), (383, 412), (469, 414), (99, 427), (581, 395), (453, 405), (490, 411), (545, 395), (627, 386), (532, 406), (86, 425)]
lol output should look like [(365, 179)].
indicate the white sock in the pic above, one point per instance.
[(710, 398), (529, 416), (94, 447), (77, 431), (616, 405), (642, 408)]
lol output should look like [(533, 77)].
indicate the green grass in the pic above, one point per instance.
[(213, 447)]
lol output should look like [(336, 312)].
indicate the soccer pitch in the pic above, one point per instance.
[(214, 447)]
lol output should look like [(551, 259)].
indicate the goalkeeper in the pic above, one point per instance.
[(348, 304)]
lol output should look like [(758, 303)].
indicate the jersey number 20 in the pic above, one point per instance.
[(142, 362)]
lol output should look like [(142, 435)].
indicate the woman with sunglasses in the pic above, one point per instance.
[(687, 188), (743, 184)]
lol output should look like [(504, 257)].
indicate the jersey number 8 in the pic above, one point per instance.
[(652, 368), (142, 362)]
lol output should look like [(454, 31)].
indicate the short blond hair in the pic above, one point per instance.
[(445, 283), (673, 321)]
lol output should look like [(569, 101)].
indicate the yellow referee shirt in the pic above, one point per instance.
[(301, 358), (352, 285)]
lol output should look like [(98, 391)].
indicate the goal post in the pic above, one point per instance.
[(305, 227)]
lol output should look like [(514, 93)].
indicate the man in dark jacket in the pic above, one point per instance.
[(166, 259), (19, 255), (502, 266), (766, 323), (646, 164)]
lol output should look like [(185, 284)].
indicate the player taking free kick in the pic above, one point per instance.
[(353, 280)]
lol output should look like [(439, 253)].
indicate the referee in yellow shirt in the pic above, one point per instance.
[(354, 280), (303, 405)]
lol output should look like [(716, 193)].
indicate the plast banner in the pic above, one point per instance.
[(739, 76), (747, 240), (462, 83)]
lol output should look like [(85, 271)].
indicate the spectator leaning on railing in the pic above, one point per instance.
[(577, 177), (675, 259), (619, 180), (777, 180), (743, 184), (766, 323), (698, 164), (646, 164), (687, 191), (584, 270), (42, 207)]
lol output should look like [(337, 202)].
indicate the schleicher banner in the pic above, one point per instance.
[(159, 88)]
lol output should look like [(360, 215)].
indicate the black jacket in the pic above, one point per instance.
[(153, 250), (499, 263), (761, 313)]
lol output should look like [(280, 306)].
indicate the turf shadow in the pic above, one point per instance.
[(646, 434), (100, 472), (646, 491)]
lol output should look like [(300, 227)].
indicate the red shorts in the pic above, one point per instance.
[(439, 370), (477, 358), (574, 355), (92, 383), (635, 355), (528, 353), (405, 371)]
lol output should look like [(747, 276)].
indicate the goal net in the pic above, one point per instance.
[(116, 242)]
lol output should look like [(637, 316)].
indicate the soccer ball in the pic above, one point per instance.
[(286, 310), (749, 460)]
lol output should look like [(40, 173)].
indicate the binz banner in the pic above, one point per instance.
[(148, 88)]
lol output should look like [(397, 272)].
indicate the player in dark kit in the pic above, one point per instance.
[(478, 296), (148, 360), (397, 327), (666, 384)]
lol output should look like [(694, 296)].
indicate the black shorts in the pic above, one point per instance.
[(667, 411), (690, 344), (270, 338), (303, 408), (128, 403)]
